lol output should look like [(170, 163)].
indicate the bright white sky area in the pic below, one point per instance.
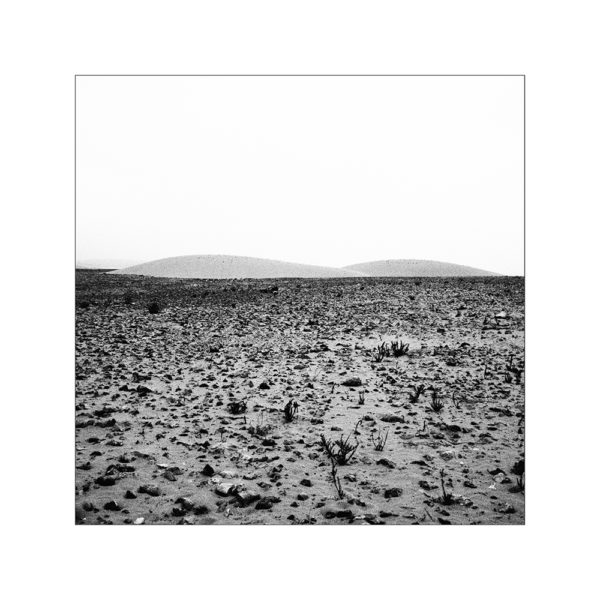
[(320, 170)]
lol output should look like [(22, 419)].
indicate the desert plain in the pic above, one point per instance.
[(405, 401)]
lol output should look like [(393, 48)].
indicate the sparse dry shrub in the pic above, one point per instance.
[(341, 450), (399, 349), (437, 404), (418, 390), (237, 407), (379, 441), (290, 410)]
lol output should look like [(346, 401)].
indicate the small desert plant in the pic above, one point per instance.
[(237, 407), (340, 450), (456, 401), (446, 498), (361, 397), (153, 308), (518, 373), (380, 352), (336, 480), (290, 410), (507, 377), (379, 440), (419, 389), (399, 349), (519, 470), (259, 428), (436, 403), (358, 424)]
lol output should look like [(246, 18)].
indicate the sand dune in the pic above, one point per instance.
[(231, 267), (416, 268), (242, 267)]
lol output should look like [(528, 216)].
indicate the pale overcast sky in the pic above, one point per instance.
[(319, 170)]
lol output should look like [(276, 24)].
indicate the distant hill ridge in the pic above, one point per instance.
[(209, 266), (417, 268)]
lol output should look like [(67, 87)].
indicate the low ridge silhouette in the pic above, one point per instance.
[(210, 266)]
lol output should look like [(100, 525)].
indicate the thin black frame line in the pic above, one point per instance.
[(299, 75), (305, 75)]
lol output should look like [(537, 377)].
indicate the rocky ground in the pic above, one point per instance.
[(181, 387)]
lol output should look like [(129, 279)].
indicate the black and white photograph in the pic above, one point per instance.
[(300, 300)]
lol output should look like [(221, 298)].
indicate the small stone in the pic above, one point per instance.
[(185, 503), (392, 492), (228, 474), (130, 495), (208, 471), (447, 454), (392, 419), (306, 483), (247, 497), (352, 382), (112, 505), (386, 463), (225, 489), (139, 521), (344, 514), (105, 480), (151, 490), (426, 485)]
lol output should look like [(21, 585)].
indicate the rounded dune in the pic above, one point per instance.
[(417, 268), (231, 267)]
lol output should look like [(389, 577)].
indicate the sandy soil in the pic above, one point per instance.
[(156, 441)]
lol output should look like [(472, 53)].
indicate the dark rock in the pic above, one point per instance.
[(306, 483), (247, 497), (427, 486), (392, 492), (374, 520), (185, 503), (352, 382), (226, 489), (344, 514), (112, 505), (151, 490), (105, 480), (208, 471), (392, 419)]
